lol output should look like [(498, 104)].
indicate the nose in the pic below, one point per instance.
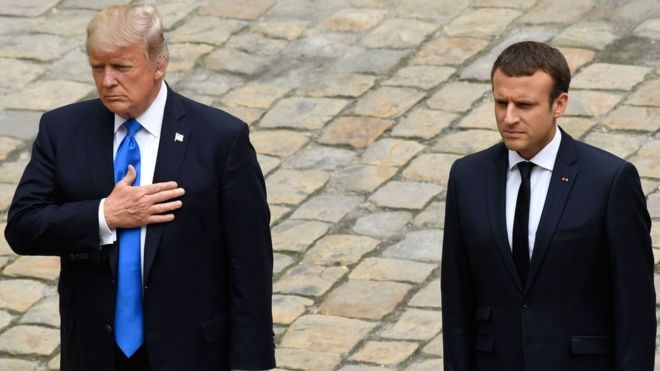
[(109, 79), (510, 116)]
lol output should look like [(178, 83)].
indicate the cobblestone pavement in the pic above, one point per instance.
[(357, 109)]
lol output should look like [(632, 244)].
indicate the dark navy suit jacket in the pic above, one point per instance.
[(589, 302), (207, 274)]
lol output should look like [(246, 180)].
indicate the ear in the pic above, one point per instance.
[(161, 68), (559, 105)]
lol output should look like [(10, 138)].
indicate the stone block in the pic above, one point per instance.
[(280, 30), (236, 62), (391, 152), (9, 145), (320, 158), (184, 56), (431, 168), (355, 131), (353, 20), (302, 359), (481, 117), (384, 269), (432, 217), (620, 144), (267, 163), (423, 123), (429, 296), (557, 11), (388, 102), (633, 118), (297, 235), (327, 208), (6, 194), (26, 8), (326, 333), (425, 245), (457, 96), (576, 57), (434, 347), (482, 22), (576, 127), (438, 11), (385, 352), (293, 186), (254, 95), (364, 299), (452, 51), (43, 267), (467, 141), (592, 35), (431, 364), (46, 312), (20, 294), (415, 324), (207, 30), (286, 308), (373, 61), (281, 262), (278, 143), (340, 249), (361, 178), (646, 95), (40, 96), (303, 113), (423, 77), (591, 103), (609, 76), (398, 33), (382, 224), (239, 9), (405, 195), (29, 340), (308, 280), (336, 85), (256, 44)]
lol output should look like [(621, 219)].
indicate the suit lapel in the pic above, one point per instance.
[(561, 183), (168, 162), (496, 199), (99, 134)]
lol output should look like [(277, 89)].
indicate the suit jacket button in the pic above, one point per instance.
[(525, 305), (108, 329), (72, 256)]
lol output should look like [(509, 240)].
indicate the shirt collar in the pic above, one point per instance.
[(545, 158), (152, 119)]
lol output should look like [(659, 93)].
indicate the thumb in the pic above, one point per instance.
[(129, 178)]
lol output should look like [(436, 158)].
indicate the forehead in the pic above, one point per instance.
[(132, 54), (538, 83)]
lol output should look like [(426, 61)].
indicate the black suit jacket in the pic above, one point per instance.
[(207, 274), (589, 302)]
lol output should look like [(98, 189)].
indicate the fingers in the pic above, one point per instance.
[(159, 187), (161, 208), (161, 218), (164, 196), (129, 178)]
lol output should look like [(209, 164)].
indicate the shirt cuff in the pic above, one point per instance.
[(107, 236)]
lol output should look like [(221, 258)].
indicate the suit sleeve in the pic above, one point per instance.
[(247, 227), (40, 221), (456, 285), (631, 258)]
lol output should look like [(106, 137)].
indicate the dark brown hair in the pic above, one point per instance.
[(527, 57)]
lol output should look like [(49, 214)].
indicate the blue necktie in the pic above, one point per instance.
[(129, 333)]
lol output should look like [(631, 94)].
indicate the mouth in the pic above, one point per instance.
[(512, 134), (113, 98)]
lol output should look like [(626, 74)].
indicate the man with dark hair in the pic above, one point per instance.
[(157, 207), (547, 261)]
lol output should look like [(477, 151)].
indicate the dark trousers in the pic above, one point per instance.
[(138, 361)]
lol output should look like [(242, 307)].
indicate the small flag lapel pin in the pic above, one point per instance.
[(178, 137)]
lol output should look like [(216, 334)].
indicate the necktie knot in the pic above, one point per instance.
[(132, 126), (525, 169)]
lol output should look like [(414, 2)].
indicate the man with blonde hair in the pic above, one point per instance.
[(157, 207)]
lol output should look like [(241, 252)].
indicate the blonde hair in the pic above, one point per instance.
[(123, 26)]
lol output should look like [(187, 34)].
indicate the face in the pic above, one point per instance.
[(525, 118), (126, 81)]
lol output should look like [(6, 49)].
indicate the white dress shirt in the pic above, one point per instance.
[(539, 184), (148, 139)]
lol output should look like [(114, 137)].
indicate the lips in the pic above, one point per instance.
[(513, 134)]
